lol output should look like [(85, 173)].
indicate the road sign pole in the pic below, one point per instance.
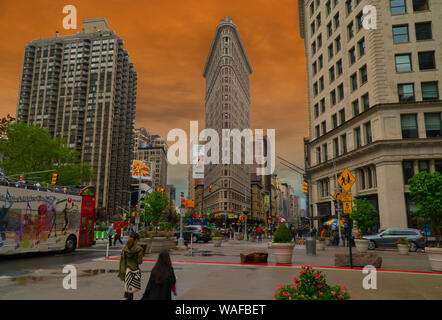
[(181, 239), (339, 207)]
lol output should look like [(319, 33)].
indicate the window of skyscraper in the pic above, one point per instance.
[(338, 44), (430, 91), (409, 126), (349, 6), (398, 7), (336, 20), (342, 116), (433, 124), (406, 92), (423, 31), (426, 60), (420, 5), (361, 47), (351, 30), (355, 105), (364, 75), (368, 136), (352, 55), (336, 147), (424, 165), (365, 102), (335, 120), (400, 34), (403, 62), (354, 81)]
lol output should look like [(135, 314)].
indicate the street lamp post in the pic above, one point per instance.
[(181, 239)]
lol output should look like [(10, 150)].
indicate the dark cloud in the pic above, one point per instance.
[(168, 42)]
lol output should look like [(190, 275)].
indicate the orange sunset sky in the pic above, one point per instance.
[(168, 41)]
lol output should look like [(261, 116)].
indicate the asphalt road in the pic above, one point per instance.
[(17, 265)]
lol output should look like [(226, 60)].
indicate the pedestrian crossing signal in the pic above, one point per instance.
[(305, 187), (54, 178)]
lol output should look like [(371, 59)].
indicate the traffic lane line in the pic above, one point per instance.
[(286, 266)]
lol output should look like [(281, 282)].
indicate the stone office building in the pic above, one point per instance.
[(374, 102)]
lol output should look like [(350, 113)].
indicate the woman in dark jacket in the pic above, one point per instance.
[(162, 279)]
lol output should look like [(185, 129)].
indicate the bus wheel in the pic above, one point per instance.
[(71, 244)]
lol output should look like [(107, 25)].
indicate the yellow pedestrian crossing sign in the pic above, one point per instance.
[(346, 180)]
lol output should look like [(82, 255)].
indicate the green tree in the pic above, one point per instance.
[(364, 214), (155, 205), (426, 192), (30, 149)]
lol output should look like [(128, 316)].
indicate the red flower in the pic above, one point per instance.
[(317, 276)]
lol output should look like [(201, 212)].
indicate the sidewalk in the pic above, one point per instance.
[(206, 272)]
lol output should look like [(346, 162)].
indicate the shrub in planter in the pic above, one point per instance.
[(282, 234), (403, 246), (217, 238), (365, 217), (282, 244), (320, 243), (311, 285)]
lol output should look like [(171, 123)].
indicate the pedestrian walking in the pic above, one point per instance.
[(118, 234), (110, 233), (259, 233), (162, 281), (131, 258), (132, 228)]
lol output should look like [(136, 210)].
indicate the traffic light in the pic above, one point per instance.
[(210, 188), (304, 187), (54, 178), (136, 207), (20, 177)]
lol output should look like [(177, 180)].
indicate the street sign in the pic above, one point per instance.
[(346, 207), (346, 180), (337, 195), (346, 197)]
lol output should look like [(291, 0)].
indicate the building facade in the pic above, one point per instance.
[(373, 100), (152, 148), (227, 106), (83, 88)]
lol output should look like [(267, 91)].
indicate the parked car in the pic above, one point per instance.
[(387, 239), (195, 233)]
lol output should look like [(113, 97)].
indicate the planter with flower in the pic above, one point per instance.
[(282, 245), (311, 285), (365, 217), (326, 235), (320, 244), (217, 238), (403, 246), (426, 190), (145, 241), (155, 214)]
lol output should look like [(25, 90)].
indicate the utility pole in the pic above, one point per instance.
[(245, 200), (341, 243), (137, 217)]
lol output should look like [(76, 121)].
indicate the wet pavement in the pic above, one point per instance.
[(206, 272)]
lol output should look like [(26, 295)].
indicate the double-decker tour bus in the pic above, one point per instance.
[(34, 219)]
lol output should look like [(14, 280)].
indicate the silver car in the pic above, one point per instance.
[(387, 239)]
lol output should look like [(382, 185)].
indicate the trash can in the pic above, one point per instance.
[(310, 246)]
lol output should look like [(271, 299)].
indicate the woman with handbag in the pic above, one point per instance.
[(130, 273), (162, 279)]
